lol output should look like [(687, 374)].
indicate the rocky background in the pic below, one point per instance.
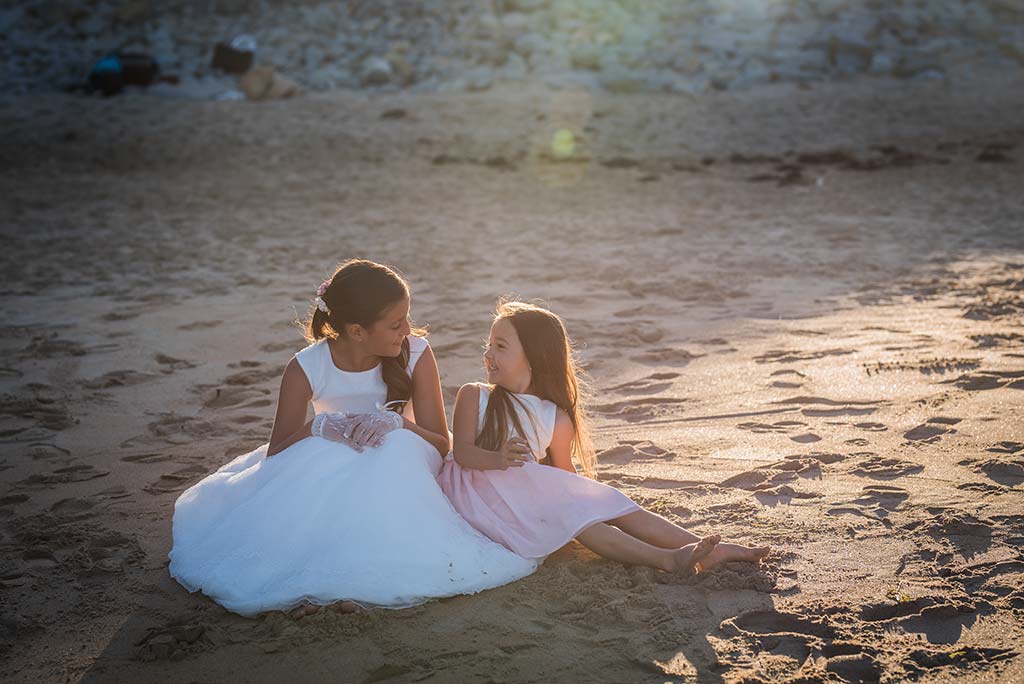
[(677, 46)]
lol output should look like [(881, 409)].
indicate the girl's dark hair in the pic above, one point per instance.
[(358, 293), (556, 376)]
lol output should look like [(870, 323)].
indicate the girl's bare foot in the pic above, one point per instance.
[(303, 610), (685, 560), (725, 553)]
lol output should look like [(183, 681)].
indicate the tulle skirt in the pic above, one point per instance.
[(320, 522)]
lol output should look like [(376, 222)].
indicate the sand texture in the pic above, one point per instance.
[(802, 311)]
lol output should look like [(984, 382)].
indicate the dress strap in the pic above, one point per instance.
[(417, 345), (312, 361)]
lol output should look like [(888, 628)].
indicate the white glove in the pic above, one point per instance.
[(368, 429), (333, 426)]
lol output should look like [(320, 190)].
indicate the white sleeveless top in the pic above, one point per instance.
[(536, 415), (350, 391)]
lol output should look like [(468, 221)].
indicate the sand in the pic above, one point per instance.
[(802, 311)]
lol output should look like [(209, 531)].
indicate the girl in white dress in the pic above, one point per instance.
[(344, 507)]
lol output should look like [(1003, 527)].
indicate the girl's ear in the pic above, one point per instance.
[(356, 332)]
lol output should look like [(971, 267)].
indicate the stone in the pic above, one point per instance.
[(585, 56), (376, 71), (263, 83), (480, 78), (515, 23), (623, 81), (530, 44), (526, 5)]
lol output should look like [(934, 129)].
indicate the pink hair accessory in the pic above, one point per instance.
[(322, 290)]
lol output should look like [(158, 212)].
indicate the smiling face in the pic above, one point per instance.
[(385, 336), (505, 361)]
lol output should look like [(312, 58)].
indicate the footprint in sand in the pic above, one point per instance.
[(871, 427), (923, 662), (200, 325), (177, 481), (634, 410), (665, 356), (790, 356), (147, 457), (932, 430), (794, 379), (652, 384), (806, 438), (174, 641), (75, 473), (990, 380), (881, 468), (235, 396), (171, 364), (781, 427), (875, 502), (1006, 448), (254, 376), (118, 378), (631, 451), (1006, 471), (836, 408), (275, 347)]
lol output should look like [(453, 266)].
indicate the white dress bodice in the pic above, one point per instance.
[(347, 391), (536, 415)]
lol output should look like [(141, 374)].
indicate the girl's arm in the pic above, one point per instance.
[(431, 423), (560, 449), (464, 424), (290, 423)]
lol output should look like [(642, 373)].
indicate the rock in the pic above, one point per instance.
[(515, 23), (530, 44), (623, 81), (327, 78), (263, 83), (526, 5), (376, 72), (487, 26), (849, 56), (313, 56), (480, 78), (132, 11), (233, 8), (881, 63), (585, 56)]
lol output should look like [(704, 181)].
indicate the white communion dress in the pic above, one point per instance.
[(320, 522)]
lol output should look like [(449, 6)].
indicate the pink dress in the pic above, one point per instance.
[(536, 509)]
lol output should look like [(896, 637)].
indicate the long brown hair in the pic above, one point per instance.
[(555, 376), (359, 292)]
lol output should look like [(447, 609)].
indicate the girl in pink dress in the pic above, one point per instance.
[(511, 472)]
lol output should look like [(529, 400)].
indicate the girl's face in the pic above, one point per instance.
[(505, 361), (384, 338)]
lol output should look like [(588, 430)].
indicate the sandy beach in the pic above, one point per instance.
[(801, 309)]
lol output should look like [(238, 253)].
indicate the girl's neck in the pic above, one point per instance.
[(528, 389), (350, 357)]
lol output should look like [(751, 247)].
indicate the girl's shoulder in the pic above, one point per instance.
[(312, 359), (417, 345)]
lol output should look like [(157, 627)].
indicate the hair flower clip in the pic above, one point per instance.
[(322, 290), (321, 304)]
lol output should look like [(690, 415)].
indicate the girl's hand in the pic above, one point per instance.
[(368, 429), (514, 453), (333, 426)]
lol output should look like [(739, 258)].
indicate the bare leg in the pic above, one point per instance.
[(617, 545), (658, 531), (654, 529)]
